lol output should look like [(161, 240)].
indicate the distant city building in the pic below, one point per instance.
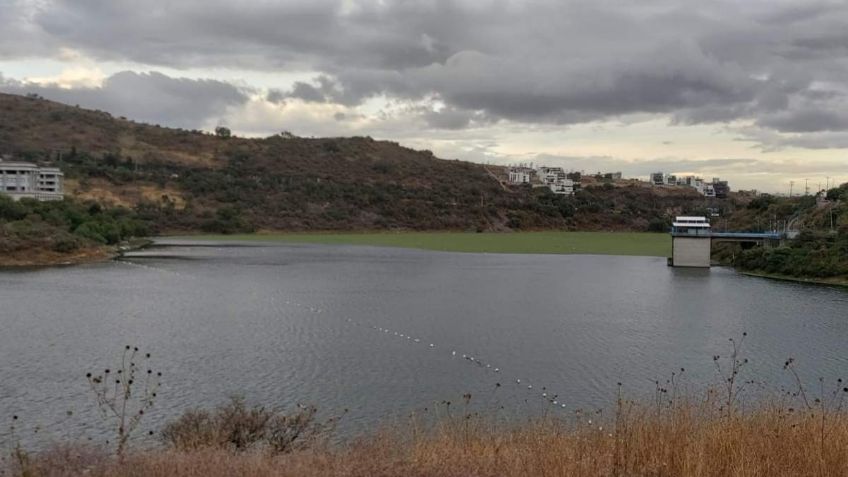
[(21, 180), (658, 178)]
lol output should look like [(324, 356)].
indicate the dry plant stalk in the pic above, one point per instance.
[(122, 397)]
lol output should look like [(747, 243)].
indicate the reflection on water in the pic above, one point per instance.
[(352, 328)]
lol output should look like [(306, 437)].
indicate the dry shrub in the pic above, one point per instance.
[(238, 427), (60, 460)]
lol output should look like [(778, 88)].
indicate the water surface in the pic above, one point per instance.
[(283, 324)]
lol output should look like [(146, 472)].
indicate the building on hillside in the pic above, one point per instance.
[(721, 188), (551, 173), (717, 188), (520, 175), (562, 187), (687, 181), (608, 176), (20, 180), (556, 179)]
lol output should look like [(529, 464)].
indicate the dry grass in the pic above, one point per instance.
[(687, 438)]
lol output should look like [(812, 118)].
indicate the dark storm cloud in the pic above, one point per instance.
[(806, 120), (539, 61), (150, 97), (449, 118)]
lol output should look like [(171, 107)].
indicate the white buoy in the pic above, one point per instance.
[(554, 403), (453, 353), (432, 345), (518, 381), (529, 386), (563, 406), (544, 394), (497, 370)]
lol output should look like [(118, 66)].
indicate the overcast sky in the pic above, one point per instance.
[(753, 91)]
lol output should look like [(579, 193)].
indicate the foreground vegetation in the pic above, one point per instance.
[(680, 437), (799, 431), (599, 243)]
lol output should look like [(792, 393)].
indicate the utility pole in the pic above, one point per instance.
[(791, 184), (806, 187)]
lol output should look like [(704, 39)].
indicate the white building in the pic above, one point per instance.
[(26, 180), (556, 179), (691, 243), (562, 186), (520, 175)]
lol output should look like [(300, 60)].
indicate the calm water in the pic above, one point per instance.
[(282, 324)]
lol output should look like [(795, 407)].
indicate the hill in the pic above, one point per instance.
[(183, 181), (820, 251)]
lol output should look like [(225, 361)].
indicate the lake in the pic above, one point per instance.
[(351, 327)]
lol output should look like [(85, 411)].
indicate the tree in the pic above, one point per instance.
[(223, 132)]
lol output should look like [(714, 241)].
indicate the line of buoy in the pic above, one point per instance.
[(551, 399)]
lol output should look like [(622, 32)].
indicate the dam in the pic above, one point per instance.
[(692, 239)]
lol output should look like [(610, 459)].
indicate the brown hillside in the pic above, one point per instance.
[(191, 180)]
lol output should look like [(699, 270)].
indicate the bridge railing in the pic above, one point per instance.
[(748, 235)]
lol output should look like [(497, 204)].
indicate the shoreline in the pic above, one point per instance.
[(440, 241), (40, 258), (839, 282), (554, 242)]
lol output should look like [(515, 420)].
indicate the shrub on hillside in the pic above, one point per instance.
[(64, 226)]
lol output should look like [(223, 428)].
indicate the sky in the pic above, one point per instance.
[(752, 91)]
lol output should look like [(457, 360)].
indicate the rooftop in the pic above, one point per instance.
[(5, 164)]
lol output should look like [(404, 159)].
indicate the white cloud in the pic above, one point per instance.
[(73, 77)]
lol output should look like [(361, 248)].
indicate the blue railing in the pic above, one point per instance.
[(693, 232), (756, 235)]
